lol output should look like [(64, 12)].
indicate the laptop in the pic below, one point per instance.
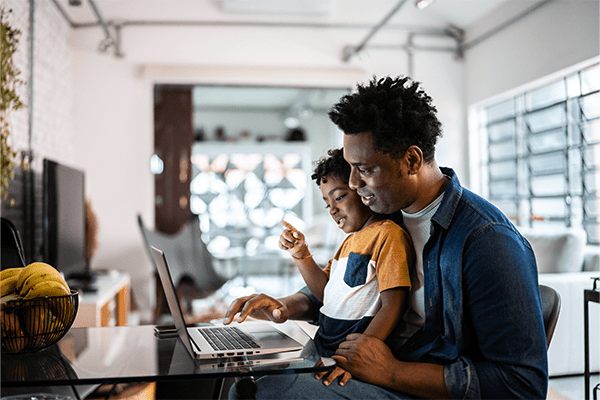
[(250, 338)]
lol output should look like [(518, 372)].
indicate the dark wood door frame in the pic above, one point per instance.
[(173, 134)]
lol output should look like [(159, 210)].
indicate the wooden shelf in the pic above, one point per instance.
[(109, 305)]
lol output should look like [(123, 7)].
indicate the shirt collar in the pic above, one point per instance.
[(452, 195)]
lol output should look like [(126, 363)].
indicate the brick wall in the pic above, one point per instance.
[(50, 132)]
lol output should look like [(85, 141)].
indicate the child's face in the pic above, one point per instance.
[(345, 205)]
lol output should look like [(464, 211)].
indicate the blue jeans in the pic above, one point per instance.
[(306, 386)]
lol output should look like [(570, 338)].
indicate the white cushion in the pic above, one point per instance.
[(592, 258), (565, 355), (557, 251)]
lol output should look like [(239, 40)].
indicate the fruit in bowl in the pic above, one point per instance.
[(37, 307)]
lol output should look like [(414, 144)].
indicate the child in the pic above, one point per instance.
[(364, 286)]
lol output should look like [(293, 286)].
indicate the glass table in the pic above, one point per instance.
[(128, 354)]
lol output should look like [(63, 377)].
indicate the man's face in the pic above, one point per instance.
[(381, 181)]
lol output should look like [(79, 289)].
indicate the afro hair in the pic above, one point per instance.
[(395, 111), (335, 165)]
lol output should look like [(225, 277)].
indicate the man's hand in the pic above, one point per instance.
[(258, 306), (366, 358)]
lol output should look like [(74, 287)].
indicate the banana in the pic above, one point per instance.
[(46, 289), (40, 320), (13, 337), (43, 277), (35, 268), (8, 272), (15, 345), (8, 285), (31, 328), (10, 323)]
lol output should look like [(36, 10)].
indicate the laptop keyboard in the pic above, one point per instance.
[(228, 338)]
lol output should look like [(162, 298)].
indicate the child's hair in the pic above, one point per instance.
[(334, 165)]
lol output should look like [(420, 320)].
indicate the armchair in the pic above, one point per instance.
[(190, 263)]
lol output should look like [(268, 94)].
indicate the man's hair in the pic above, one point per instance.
[(334, 165), (397, 113)]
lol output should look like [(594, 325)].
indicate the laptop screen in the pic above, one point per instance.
[(172, 299)]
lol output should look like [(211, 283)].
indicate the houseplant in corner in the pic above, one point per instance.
[(10, 81)]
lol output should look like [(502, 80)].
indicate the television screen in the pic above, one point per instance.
[(64, 219)]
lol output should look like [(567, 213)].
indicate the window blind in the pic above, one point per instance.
[(543, 148)]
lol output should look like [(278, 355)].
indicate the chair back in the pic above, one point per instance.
[(550, 310), (12, 253), (187, 254)]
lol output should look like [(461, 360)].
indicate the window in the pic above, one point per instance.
[(541, 152), (242, 193)]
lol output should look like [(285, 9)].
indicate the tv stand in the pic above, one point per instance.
[(82, 281), (83, 276), (108, 305)]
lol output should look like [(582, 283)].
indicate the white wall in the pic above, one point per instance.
[(113, 107), (111, 102), (43, 125), (52, 128), (112, 115), (556, 36)]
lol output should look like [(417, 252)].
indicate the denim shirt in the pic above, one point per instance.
[(483, 313)]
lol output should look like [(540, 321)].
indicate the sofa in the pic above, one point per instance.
[(566, 263)]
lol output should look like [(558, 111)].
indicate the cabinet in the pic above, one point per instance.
[(108, 305)]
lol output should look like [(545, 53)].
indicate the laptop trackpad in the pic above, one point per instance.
[(273, 339), (268, 336)]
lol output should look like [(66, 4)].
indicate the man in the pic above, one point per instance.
[(474, 326)]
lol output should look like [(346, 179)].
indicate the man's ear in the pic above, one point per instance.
[(414, 158)]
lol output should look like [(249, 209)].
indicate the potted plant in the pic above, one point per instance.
[(10, 81)]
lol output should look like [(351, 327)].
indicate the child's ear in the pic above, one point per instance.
[(414, 159)]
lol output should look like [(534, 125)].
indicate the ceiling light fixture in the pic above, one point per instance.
[(421, 4), (291, 122)]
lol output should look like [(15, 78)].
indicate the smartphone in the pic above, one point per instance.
[(165, 331)]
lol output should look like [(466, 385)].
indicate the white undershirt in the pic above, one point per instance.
[(418, 226)]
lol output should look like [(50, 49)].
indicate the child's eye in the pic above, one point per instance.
[(340, 198)]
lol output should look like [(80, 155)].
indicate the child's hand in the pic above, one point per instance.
[(293, 241), (344, 376)]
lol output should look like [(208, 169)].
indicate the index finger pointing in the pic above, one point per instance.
[(234, 308), (288, 226)]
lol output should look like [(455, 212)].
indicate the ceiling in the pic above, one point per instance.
[(365, 15), (440, 13)]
